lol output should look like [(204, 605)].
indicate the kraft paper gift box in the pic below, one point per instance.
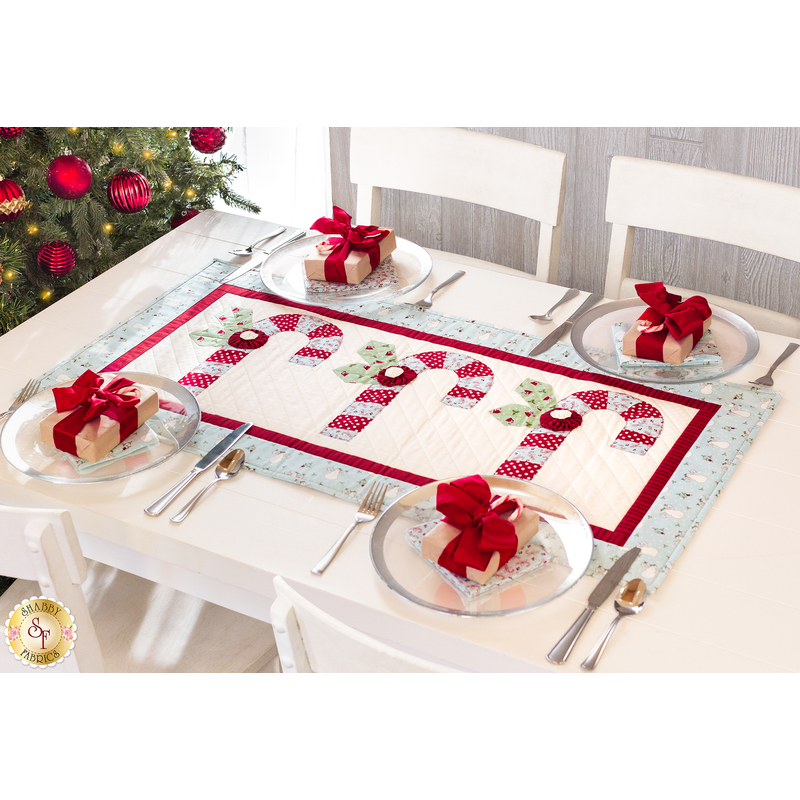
[(669, 327), (673, 351), (100, 435), (357, 264), (434, 542)]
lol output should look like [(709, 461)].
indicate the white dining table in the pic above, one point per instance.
[(731, 602)]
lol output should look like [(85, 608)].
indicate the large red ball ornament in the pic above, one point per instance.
[(207, 140), (129, 191), (183, 216), (10, 133), (57, 258), (69, 177), (12, 199)]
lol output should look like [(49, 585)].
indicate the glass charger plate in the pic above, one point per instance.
[(736, 340), (283, 274), (175, 424), (563, 529)]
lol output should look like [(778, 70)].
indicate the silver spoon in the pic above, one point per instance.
[(548, 317), (227, 468), (630, 601), (246, 251)]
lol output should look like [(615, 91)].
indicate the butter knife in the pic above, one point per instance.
[(247, 267), (560, 653), (203, 464), (553, 337)]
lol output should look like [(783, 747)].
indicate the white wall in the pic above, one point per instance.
[(287, 173)]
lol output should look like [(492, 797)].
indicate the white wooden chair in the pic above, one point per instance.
[(491, 171), (704, 203), (309, 640), (123, 623)]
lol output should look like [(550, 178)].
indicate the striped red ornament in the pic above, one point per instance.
[(12, 199), (57, 258), (129, 191)]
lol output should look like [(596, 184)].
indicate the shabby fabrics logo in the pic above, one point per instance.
[(40, 632)]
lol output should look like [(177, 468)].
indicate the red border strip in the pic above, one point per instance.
[(619, 536)]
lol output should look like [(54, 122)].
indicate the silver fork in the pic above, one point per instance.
[(766, 380), (28, 391), (428, 301), (369, 509)]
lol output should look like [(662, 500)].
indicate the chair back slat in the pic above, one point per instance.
[(475, 167), (708, 204)]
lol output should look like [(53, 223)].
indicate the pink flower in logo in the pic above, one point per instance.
[(66, 632), (13, 633)]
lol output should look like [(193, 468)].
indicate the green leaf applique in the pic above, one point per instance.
[(377, 356), (539, 397), (237, 319)]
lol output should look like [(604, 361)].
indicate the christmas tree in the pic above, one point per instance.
[(76, 201)]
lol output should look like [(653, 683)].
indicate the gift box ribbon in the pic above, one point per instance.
[(467, 504), (666, 315), (89, 399), (366, 238)]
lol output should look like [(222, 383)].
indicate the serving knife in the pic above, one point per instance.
[(560, 653), (553, 337), (267, 253), (203, 464)]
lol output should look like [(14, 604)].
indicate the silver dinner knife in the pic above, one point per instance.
[(247, 267), (560, 653), (553, 337), (203, 464)]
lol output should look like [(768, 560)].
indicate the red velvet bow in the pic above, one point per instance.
[(90, 399), (681, 319), (678, 318), (366, 238), (468, 505)]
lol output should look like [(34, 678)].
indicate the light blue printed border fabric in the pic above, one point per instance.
[(663, 533)]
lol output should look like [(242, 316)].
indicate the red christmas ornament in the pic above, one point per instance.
[(10, 133), (128, 191), (69, 177), (207, 140), (183, 216), (12, 199), (57, 258)]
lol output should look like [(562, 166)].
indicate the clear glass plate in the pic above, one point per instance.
[(737, 342), (175, 423), (283, 274), (563, 528)]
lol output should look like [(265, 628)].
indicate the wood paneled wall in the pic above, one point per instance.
[(769, 153)]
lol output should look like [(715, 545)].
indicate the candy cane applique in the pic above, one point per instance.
[(643, 425), (386, 376), (237, 336)]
